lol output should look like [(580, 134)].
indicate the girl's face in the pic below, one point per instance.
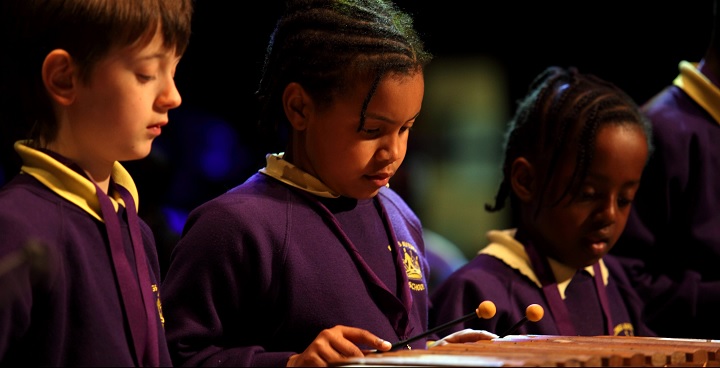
[(580, 229), (354, 163)]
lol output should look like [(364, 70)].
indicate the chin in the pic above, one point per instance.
[(590, 262), (373, 193), (143, 152), (137, 155), (363, 195)]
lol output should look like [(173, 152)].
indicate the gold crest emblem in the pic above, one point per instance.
[(624, 329), (411, 260)]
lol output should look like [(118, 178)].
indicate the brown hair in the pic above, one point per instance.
[(87, 30)]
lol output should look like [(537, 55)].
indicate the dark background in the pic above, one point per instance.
[(635, 44), (211, 144)]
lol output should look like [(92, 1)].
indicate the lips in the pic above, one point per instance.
[(381, 175), (156, 129), (157, 126), (598, 245), (380, 179)]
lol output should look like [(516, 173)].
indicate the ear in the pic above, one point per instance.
[(297, 105), (523, 179), (58, 74)]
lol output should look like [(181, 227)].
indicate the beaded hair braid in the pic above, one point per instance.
[(563, 107), (328, 45)]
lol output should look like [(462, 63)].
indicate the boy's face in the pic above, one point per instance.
[(122, 108), (579, 231), (354, 163)]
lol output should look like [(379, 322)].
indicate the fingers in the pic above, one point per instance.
[(341, 342), (469, 335), (383, 345), (338, 343), (359, 336)]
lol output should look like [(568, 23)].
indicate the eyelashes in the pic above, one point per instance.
[(377, 132), (145, 78)]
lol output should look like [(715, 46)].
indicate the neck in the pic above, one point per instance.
[(103, 183), (98, 172), (295, 154)]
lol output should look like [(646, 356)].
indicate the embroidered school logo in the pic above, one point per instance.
[(412, 266), (624, 329), (158, 304)]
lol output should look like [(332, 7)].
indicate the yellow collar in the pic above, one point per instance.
[(70, 185), (504, 247), (292, 175), (699, 88)]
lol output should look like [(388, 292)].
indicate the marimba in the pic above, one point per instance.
[(557, 351)]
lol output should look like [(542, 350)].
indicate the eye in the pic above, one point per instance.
[(624, 202), (145, 78), (371, 132), (587, 194), (405, 129)]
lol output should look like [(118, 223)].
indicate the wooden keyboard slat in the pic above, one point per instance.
[(564, 351)]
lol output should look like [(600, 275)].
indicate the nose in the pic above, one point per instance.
[(169, 98), (391, 148), (608, 211)]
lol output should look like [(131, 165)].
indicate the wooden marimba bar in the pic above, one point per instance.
[(558, 351)]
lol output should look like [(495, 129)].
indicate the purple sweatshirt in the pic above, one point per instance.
[(502, 273), (672, 238), (263, 268), (62, 307)]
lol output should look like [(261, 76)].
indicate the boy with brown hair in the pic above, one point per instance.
[(92, 84)]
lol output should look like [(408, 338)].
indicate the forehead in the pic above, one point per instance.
[(620, 146), (152, 40), (145, 48), (618, 155), (396, 98), (391, 87)]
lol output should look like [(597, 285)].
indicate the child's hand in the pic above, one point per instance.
[(466, 335), (335, 344)]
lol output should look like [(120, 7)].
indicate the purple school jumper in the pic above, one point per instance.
[(502, 273), (672, 238), (263, 268), (65, 308)]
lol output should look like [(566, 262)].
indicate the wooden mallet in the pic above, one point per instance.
[(533, 312), (485, 310)]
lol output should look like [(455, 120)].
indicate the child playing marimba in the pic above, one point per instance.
[(574, 155)]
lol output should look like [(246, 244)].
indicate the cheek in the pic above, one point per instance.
[(403, 145), (622, 219), (564, 219)]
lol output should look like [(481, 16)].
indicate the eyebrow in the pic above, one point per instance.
[(157, 55), (602, 179), (385, 119), (151, 56)]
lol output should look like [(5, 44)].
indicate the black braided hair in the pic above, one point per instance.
[(328, 45), (563, 106)]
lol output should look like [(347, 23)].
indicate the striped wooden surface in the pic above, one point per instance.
[(557, 351)]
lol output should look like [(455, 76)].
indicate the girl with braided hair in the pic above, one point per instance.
[(574, 154), (314, 259)]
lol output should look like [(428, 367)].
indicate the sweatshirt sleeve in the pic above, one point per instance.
[(217, 290)]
